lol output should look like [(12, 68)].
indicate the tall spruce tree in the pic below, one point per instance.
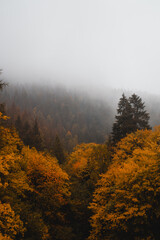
[(58, 150), (130, 117), (18, 125), (123, 123), (140, 117), (36, 141), (2, 85), (26, 134)]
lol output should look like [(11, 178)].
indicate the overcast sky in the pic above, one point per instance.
[(99, 42)]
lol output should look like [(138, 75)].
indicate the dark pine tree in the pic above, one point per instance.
[(2, 85), (18, 125), (26, 134), (130, 117), (140, 117), (58, 150), (36, 139), (123, 123)]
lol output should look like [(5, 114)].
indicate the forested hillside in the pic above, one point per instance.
[(74, 117), (97, 190)]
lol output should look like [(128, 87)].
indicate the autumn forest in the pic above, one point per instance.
[(71, 170)]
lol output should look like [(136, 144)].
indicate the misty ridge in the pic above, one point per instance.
[(100, 95), (83, 114), (72, 115)]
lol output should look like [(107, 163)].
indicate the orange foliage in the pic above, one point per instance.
[(79, 157), (32, 187), (10, 223), (46, 175), (126, 198)]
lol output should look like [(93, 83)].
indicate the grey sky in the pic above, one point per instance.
[(98, 42)]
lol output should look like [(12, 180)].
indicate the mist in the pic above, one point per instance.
[(99, 44)]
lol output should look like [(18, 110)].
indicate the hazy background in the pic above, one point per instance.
[(82, 42)]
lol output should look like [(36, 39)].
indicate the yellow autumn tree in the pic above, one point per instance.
[(10, 223), (34, 192), (51, 191), (126, 202), (12, 181), (84, 166), (16, 190)]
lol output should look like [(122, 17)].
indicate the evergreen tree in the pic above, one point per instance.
[(26, 134), (58, 150), (36, 137), (140, 116), (2, 85), (18, 125), (31, 135), (130, 117), (123, 123)]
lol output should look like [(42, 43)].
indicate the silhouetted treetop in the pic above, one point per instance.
[(131, 116)]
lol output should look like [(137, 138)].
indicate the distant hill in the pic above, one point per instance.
[(75, 117)]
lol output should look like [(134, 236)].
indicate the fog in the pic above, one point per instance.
[(83, 43)]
